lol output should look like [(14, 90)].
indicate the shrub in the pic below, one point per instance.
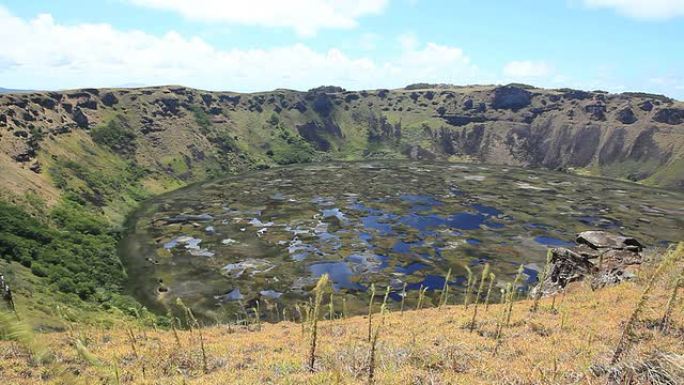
[(115, 135), (202, 119), (75, 258)]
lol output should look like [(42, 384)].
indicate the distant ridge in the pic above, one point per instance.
[(13, 91)]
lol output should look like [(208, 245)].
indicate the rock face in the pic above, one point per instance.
[(109, 99), (80, 118), (511, 98), (626, 116), (603, 257), (671, 116), (634, 136)]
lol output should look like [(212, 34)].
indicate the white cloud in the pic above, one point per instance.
[(306, 17), (369, 41), (43, 54), (408, 40), (642, 9), (527, 69)]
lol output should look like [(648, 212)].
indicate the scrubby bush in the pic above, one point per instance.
[(116, 135), (290, 148), (202, 119), (74, 249)]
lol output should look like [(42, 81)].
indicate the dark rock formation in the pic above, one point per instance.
[(316, 133), (234, 100), (646, 106), (351, 97), (207, 99), (299, 106), (510, 98), (169, 105), (672, 116), (35, 168), (89, 104), (109, 99), (48, 103), (603, 257), (462, 120), (322, 105), (626, 116), (328, 89), (80, 118), (597, 111), (576, 95)]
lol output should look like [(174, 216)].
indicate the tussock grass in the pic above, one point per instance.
[(319, 292), (416, 347), (671, 257), (483, 278), (542, 278)]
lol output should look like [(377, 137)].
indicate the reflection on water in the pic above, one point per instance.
[(267, 236)]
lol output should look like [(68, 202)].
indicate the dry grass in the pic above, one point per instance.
[(430, 346)]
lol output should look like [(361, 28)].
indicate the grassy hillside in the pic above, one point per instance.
[(571, 339)]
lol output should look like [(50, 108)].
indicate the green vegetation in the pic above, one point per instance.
[(289, 148), (202, 119), (75, 252), (116, 135), (86, 185)]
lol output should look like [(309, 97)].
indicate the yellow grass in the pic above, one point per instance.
[(429, 346)]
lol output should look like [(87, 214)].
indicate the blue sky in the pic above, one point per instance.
[(615, 45)]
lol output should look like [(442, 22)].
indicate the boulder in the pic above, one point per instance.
[(35, 168), (603, 257), (566, 266), (606, 240)]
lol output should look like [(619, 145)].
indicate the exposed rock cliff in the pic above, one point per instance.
[(185, 134)]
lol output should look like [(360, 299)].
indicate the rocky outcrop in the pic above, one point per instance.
[(646, 106), (673, 116), (511, 98), (80, 118), (576, 95), (603, 257), (598, 240), (109, 99), (170, 106), (596, 111), (626, 116), (317, 134)]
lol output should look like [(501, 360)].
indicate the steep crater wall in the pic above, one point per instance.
[(175, 135)]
